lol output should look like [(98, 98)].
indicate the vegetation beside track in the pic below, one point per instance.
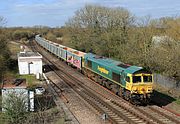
[(178, 101), (10, 41)]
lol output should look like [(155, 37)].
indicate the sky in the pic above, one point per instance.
[(55, 13)]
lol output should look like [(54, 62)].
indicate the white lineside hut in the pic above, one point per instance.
[(29, 63)]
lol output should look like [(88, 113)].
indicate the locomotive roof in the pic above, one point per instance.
[(113, 64)]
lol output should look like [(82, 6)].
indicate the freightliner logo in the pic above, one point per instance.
[(103, 70)]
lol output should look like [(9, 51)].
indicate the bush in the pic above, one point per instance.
[(15, 107)]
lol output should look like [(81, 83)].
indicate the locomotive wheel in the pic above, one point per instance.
[(108, 84), (96, 79), (115, 89), (127, 95), (120, 91)]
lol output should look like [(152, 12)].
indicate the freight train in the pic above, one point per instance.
[(133, 83)]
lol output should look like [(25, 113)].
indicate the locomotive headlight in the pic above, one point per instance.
[(148, 95), (149, 89), (142, 89), (135, 90)]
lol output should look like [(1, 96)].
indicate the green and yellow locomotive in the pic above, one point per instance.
[(131, 82)]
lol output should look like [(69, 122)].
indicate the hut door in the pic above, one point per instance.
[(30, 68)]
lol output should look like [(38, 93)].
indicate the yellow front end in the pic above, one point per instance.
[(142, 88), (140, 83)]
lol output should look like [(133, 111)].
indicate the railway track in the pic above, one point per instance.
[(160, 115), (116, 110), (57, 92)]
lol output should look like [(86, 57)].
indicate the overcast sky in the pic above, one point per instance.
[(57, 12)]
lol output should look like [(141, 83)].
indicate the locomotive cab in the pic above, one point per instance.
[(140, 85)]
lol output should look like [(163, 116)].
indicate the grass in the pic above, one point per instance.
[(60, 121), (177, 101), (13, 74), (3, 118), (30, 80), (14, 48)]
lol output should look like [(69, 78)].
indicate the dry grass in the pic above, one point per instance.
[(177, 101), (14, 47), (31, 80)]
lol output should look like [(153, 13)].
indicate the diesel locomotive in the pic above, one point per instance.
[(133, 83)]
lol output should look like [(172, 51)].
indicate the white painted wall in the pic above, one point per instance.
[(37, 67), (25, 67), (31, 99)]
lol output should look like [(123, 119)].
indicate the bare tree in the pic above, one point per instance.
[(93, 16), (94, 27), (2, 21)]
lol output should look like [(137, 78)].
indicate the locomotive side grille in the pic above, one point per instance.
[(116, 77)]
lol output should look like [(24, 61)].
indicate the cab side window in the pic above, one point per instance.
[(147, 78), (127, 78), (136, 79)]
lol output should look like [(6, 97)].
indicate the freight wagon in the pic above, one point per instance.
[(75, 58)]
